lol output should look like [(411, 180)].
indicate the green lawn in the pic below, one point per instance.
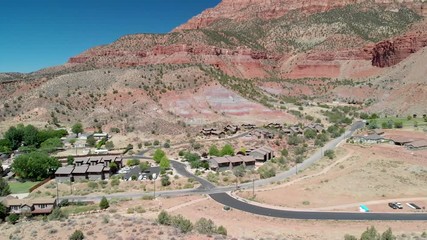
[(405, 122), (21, 187)]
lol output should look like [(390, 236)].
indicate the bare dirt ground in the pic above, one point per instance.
[(372, 174), (119, 223)]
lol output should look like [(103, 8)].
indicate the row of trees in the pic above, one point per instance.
[(225, 150), (30, 136), (202, 226)]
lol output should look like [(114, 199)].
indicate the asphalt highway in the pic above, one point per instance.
[(227, 200)]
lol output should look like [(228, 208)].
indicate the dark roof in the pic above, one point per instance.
[(81, 169), (96, 168), (220, 160), (247, 158), (418, 144), (235, 159), (65, 170), (373, 137)]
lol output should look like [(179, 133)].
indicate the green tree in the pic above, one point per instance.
[(91, 141), (370, 234), (104, 204), (158, 155), (310, 134), (349, 237), (388, 235), (144, 166), (398, 124), (51, 145), (113, 167), (77, 129), (133, 162), (3, 211), (73, 141), (70, 160), (164, 163), (165, 181), (77, 235), (227, 150), (30, 136), (214, 151), (4, 187), (284, 152), (14, 136), (12, 218), (266, 171), (109, 145), (35, 166)]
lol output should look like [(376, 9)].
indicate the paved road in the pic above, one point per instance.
[(226, 199), (219, 193)]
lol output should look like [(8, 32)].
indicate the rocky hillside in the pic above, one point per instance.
[(293, 39)]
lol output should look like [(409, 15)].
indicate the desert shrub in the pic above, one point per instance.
[(330, 154), (205, 226), (165, 180), (164, 218), (92, 185), (370, 234), (182, 223), (349, 237), (222, 230), (115, 182), (77, 235), (267, 171), (104, 204), (57, 214), (398, 124)]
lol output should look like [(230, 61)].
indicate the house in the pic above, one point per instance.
[(80, 172), (262, 154), (248, 161), (369, 139), (219, 163), (316, 127), (96, 172), (401, 141), (219, 134), (274, 125), (94, 160), (119, 162), (30, 206), (417, 145), (287, 131), (248, 126), (99, 136), (232, 129), (63, 174), (81, 161), (296, 130)]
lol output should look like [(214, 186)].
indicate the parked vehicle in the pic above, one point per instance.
[(399, 205), (392, 205), (413, 206)]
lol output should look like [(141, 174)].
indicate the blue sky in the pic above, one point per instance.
[(40, 33)]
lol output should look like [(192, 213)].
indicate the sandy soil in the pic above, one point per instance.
[(358, 174)]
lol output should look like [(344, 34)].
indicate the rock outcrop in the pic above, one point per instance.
[(240, 10), (391, 52)]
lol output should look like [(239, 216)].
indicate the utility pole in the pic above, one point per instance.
[(154, 181), (57, 193), (253, 187)]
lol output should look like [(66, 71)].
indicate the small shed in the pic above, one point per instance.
[(95, 172)]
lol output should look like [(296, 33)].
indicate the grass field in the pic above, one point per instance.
[(21, 187), (79, 209)]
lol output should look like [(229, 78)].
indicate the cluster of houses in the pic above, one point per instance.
[(91, 168), (42, 206), (229, 129), (377, 136), (233, 129), (262, 154)]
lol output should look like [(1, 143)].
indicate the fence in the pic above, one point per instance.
[(39, 184)]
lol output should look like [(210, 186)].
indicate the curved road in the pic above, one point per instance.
[(219, 193)]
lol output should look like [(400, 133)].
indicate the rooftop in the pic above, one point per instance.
[(81, 169), (65, 170)]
